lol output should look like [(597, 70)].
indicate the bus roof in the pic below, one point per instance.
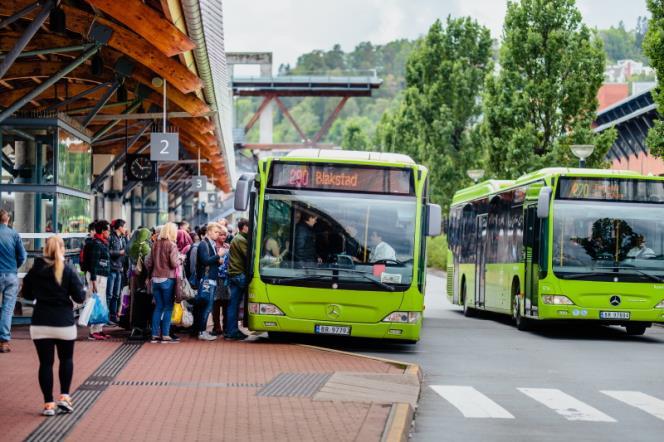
[(493, 186), (350, 155)]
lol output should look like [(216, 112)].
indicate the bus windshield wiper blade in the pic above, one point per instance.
[(299, 278), (628, 267), (363, 274)]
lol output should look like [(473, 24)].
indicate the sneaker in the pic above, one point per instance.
[(169, 340), (105, 335), (65, 403), (4, 347), (205, 336), (155, 340), (49, 409), (96, 337), (174, 337), (237, 336)]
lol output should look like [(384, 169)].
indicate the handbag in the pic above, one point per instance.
[(84, 317), (99, 312), (176, 316), (183, 290), (222, 292), (187, 317)]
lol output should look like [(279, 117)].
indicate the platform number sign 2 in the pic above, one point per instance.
[(199, 183), (164, 146)]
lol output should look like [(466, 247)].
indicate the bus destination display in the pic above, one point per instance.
[(327, 177), (646, 191)]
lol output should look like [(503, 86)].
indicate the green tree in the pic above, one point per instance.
[(433, 123), (354, 134), (544, 97), (619, 43), (653, 45)]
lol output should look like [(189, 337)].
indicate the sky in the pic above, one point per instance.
[(289, 28)]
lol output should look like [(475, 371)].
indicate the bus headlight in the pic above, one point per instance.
[(556, 300), (256, 308), (403, 317), (660, 305)]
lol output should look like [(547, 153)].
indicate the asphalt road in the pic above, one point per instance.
[(487, 381)]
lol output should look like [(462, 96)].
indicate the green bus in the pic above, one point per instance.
[(560, 244), (338, 243)]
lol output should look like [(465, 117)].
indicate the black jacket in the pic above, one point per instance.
[(117, 244), (305, 243), (54, 305), (100, 261)]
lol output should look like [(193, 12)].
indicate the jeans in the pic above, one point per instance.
[(9, 291), (113, 288), (204, 301), (164, 296), (238, 287)]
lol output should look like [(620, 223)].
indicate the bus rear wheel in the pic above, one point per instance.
[(635, 330), (467, 311)]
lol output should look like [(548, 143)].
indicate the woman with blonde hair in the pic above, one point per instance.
[(162, 263), (54, 284)]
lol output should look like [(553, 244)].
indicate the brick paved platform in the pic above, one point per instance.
[(200, 391)]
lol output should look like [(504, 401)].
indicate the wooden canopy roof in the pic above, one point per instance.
[(143, 35)]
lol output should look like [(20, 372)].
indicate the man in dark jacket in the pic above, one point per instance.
[(100, 267), (117, 247), (305, 241), (237, 273), (12, 256)]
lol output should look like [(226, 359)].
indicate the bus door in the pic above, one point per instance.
[(531, 256), (480, 267)]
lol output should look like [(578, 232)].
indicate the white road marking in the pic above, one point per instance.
[(642, 401), (565, 405), (470, 402)]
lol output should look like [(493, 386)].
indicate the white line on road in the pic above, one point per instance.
[(565, 405), (642, 401), (470, 402)]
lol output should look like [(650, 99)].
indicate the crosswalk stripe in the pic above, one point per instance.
[(642, 401), (470, 402), (565, 405)]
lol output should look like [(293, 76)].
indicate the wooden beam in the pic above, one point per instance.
[(124, 41), (147, 23), (7, 98), (21, 70)]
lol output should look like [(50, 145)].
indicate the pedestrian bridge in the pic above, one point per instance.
[(306, 86)]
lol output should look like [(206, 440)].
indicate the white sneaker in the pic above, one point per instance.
[(205, 336)]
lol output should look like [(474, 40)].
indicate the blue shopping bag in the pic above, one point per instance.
[(99, 312)]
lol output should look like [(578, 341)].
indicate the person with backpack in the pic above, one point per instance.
[(141, 301), (237, 272), (192, 257), (54, 285), (207, 270), (222, 294), (99, 261)]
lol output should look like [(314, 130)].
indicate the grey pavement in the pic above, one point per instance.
[(479, 365)]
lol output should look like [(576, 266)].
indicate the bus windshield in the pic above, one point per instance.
[(353, 240), (609, 239)]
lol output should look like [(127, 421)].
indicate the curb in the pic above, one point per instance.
[(401, 417)]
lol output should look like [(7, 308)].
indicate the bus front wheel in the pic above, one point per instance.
[(520, 322), (635, 330)]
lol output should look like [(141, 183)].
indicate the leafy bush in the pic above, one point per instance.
[(437, 252)]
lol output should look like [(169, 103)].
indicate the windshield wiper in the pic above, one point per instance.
[(363, 274), (300, 278), (629, 267)]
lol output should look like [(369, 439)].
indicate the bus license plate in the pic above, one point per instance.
[(614, 315), (331, 330)]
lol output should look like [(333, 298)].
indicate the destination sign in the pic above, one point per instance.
[(611, 189), (338, 177)]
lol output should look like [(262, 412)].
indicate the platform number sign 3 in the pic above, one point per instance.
[(164, 146), (199, 183)]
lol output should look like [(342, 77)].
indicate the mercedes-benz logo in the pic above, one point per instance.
[(615, 300), (333, 311)]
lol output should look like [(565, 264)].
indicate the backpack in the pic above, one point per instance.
[(85, 255), (190, 265)]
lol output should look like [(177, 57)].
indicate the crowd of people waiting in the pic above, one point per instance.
[(147, 268)]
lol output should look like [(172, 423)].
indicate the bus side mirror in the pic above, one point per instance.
[(242, 192), (543, 202), (434, 219)]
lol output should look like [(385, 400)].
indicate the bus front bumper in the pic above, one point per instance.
[(608, 315), (379, 330)]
